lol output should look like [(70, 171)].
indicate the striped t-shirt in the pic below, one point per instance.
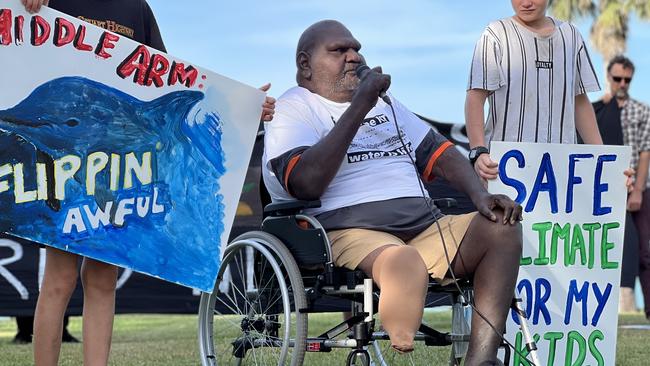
[(534, 80)]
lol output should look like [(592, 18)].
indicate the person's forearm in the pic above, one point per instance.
[(586, 121), (454, 167), (319, 164), (474, 116), (642, 171)]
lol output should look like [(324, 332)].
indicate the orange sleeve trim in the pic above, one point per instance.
[(290, 166), (434, 157)]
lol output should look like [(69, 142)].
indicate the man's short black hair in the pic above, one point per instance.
[(620, 59)]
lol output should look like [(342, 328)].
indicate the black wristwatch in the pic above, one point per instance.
[(476, 152)]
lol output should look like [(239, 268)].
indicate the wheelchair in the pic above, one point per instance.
[(271, 279)]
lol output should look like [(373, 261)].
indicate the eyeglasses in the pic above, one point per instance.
[(618, 79)]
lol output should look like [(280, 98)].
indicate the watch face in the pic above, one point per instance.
[(476, 152)]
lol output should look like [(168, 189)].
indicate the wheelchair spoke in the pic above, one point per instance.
[(243, 295), (233, 310), (276, 295), (438, 300), (233, 300), (262, 270), (271, 304), (234, 324), (267, 349)]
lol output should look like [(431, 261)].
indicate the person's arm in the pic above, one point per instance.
[(34, 6), (453, 167), (586, 121), (318, 165), (635, 198), (474, 117), (485, 77)]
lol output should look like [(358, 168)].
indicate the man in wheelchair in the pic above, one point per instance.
[(334, 139)]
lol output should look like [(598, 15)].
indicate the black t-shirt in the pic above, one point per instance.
[(608, 116), (130, 18)]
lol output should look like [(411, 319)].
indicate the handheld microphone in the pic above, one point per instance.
[(361, 71)]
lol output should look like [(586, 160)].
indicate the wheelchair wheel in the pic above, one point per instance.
[(252, 317)]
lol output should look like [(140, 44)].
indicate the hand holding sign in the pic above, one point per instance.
[(33, 6), (268, 108)]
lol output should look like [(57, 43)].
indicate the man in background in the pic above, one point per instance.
[(626, 121)]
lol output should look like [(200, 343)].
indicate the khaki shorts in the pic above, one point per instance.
[(351, 246)]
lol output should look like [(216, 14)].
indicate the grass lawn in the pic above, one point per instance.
[(170, 340)]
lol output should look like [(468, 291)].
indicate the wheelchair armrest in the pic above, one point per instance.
[(285, 208), (445, 202)]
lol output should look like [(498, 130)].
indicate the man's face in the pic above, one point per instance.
[(333, 62), (619, 80), (530, 10)]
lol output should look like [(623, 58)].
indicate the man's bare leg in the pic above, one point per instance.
[(401, 274), (490, 252)]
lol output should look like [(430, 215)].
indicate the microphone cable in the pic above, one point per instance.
[(444, 245)]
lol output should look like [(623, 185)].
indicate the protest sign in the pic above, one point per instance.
[(573, 199), (117, 151)]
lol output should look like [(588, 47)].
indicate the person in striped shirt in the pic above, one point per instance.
[(535, 72)]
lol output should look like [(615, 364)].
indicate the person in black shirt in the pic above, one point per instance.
[(626, 121), (130, 18), (133, 19)]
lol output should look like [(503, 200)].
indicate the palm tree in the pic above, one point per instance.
[(609, 31)]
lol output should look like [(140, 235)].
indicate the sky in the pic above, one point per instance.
[(425, 45)]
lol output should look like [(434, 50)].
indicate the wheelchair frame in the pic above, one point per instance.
[(293, 250)]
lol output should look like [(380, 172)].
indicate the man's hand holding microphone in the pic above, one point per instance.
[(373, 84)]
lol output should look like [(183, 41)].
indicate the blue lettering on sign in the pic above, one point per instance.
[(550, 186), (517, 185), (546, 181), (573, 180), (535, 303), (599, 188), (542, 294), (579, 296), (601, 298)]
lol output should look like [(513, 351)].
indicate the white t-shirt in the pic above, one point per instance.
[(376, 166), (535, 81)]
